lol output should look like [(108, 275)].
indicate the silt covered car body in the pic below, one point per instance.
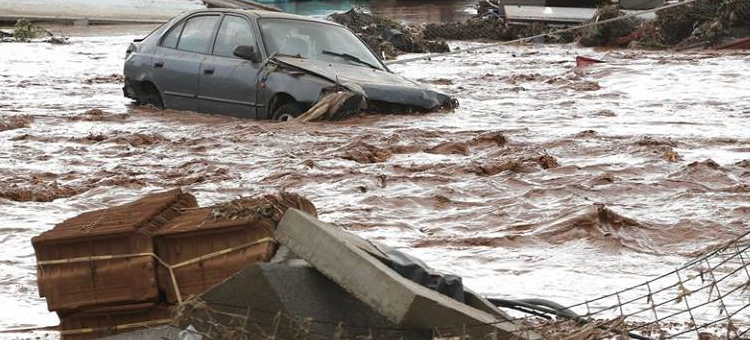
[(264, 65)]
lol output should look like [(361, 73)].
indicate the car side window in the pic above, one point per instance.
[(197, 33), (170, 40), (234, 31)]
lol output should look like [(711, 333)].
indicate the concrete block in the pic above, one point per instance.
[(335, 254), (287, 295), (270, 294)]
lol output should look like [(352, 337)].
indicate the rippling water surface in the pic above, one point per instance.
[(652, 153)]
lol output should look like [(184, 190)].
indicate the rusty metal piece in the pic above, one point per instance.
[(201, 232), (736, 44), (125, 229), (582, 61), (98, 322)]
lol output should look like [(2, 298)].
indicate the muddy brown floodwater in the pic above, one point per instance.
[(546, 182)]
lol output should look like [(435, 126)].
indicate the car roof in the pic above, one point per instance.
[(264, 14)]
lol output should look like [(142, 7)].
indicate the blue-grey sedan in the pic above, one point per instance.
[(263, 65)]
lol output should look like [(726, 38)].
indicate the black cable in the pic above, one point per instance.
[(560, 309), (519, 304), (550, 307)]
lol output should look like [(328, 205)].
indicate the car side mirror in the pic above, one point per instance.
[(247, 52)]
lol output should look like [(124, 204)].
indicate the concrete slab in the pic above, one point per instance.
[(549, 14), (561, 15), (641, 4), (333, 252)]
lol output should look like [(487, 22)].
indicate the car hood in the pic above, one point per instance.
[(376, 84)]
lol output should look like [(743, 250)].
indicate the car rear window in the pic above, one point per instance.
[(173, 36), (234, 31), (197, 34)]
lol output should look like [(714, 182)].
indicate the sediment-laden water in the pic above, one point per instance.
[(547, 181)]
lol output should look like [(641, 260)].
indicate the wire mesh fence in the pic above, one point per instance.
[(710, 294), (706, 298)]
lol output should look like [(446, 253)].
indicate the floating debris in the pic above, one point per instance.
[(15, 122), (546, 161), (114, 78)]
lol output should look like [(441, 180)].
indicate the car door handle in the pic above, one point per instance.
[(208, 71), (159, 64)]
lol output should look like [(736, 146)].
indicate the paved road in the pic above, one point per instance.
[(96, 10)]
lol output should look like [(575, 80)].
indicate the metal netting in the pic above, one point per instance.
[(706, 298)]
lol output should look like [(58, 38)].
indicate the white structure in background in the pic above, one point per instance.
[(145, 11)]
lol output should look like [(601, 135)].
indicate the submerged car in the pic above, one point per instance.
[(264, 65)]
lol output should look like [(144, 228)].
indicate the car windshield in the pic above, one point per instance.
[(316, 41)]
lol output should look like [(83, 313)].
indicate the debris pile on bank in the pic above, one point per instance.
[(126, 265), (609, 34), (702, 23), (387, 37), (705, 22)]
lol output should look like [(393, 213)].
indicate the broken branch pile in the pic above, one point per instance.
[(607, 34), (333, 106), (693, 24), (387, 37), (703, 21)]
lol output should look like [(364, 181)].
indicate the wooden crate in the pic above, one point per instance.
[(70, 284), (95, 323), (195, 234)]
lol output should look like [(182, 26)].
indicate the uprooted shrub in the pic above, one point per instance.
[(25, 30)]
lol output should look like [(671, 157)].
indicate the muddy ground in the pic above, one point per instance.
[(547, 181)]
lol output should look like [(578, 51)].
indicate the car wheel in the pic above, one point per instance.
[(289, 111), (150, 96)]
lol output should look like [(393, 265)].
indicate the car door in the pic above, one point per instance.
[(178, 58), (227, 84)]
